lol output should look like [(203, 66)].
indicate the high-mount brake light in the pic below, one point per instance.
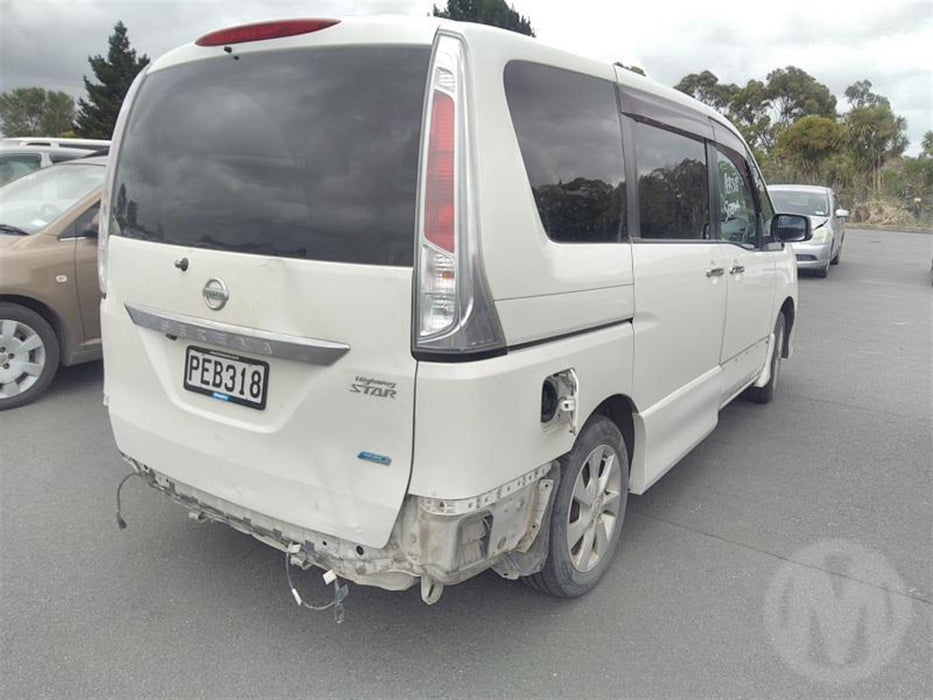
[(264, 30)]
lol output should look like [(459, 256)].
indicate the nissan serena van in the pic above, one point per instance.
[(409, 299)]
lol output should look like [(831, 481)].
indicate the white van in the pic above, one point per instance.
[(411, 299)]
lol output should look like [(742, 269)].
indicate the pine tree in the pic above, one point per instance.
[(98, 114)]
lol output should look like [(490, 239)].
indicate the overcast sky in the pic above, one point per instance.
[(47, 42)]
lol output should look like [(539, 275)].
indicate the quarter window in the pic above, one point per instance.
[(737, 219), (673, 185), (570, 138), (764, 201)]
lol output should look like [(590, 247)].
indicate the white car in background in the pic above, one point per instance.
[(827, 221), (23, 154)]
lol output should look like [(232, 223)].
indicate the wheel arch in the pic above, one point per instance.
[(620, 409)]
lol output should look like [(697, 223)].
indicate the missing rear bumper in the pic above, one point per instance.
[(442, 542)]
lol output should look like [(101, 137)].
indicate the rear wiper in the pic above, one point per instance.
[(15, 230)]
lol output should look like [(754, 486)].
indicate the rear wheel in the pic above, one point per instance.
[(588, 510), (28, 355), (764, 394)]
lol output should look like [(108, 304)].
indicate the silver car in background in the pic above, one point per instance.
[(827, 221)]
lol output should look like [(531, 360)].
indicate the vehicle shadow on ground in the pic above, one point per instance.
[(76, 378)]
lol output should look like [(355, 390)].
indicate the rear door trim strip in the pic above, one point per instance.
[(278, 345)]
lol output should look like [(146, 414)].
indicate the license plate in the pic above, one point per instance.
[(226, 377)]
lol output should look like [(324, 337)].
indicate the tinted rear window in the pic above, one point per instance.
[(303, 154)]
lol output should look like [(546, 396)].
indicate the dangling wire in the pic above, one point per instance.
[(340, 592), (121, 523)]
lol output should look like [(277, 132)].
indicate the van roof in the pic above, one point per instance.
[(396, 29)]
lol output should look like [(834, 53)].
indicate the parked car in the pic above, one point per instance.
[(22, 155), (828, 222), (48, 276), (442, 308)]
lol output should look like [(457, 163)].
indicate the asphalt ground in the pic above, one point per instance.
[(789, 555)]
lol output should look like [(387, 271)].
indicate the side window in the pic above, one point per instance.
[(673, 184), (570, 138), (12, 166), (86, 222), (738, 222), (764, 202)]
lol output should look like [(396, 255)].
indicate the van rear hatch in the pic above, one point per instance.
[(257, 320)]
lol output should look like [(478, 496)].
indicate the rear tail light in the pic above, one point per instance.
[(454, 314), (264, 30), (106, 198)]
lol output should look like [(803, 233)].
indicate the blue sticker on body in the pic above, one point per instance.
[(222, 397), (372, 457)]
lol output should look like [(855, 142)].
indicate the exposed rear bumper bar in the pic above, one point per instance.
[(225, 335), (445, 542)]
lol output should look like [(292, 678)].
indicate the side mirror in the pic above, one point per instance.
[(842, 213), (791, 228)]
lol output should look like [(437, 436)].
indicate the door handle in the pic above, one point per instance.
[(736, 269), (715, 272)]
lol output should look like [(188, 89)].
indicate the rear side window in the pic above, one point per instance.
[(12, 166), (304, 154), (568, 130), (673, 184)]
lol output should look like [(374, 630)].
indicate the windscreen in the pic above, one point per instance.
[(304, 153), (33, 201), (800, 202)]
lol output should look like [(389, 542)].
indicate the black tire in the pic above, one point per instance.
[(26, 323), (560, 576), (835, 260), (765, 393)]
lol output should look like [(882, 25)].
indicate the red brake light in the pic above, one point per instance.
[(264, 30), (439, 187)]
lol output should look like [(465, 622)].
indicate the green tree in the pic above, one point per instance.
[(634, 69), (747, 107), (859, 94), (927, 145), (706, 88), (873, 136), (98, 114), (794, 93), (34, 111), (808, 143), (492, 12), (748, 110)]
